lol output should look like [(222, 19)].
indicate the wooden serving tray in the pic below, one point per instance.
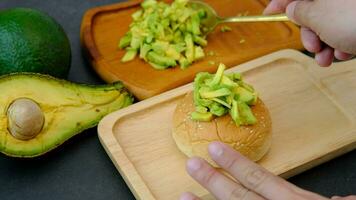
[(102, 28), (312, 109)]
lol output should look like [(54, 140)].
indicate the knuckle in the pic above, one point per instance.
[(305, 14), (209, 177), (255, 177), (231, 163), (239, 193)]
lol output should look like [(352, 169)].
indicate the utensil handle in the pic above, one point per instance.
[(259, 18)]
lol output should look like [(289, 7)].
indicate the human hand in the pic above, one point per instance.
[(327, 26), (253, 181)]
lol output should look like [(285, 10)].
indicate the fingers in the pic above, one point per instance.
[(310, 40), (313, 44), (219, 185), (300, 12), (276, 6), (251, 175), (188, 196), (325, 57), (342, 55)]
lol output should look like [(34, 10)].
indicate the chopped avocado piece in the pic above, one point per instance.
[(136, 15), (195, 22), (225, 80), (204, 102), (68, 109), (198, 81), (136, 42), (217, 110), (237, 76), (180, 47), (219, 74), (181, 3), (201, 109), (160, 60), (234, 112), (189, 53), (182, 28), (144, 51), (129, 55), (225, 29), (189, 26), (247, 116), (185, 15), (172, 52), (202, 13), (200, 40), (229, 99), (245, 95), (160, 47), (198, 53), (149, 38), (221, 102), (177, 37), (217, 93), (157, 66), (183, 62), (205, 117), (165, 23), (148, 3), (125, 41), (246, 86)]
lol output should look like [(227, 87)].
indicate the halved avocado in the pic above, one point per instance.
[(68, 109)]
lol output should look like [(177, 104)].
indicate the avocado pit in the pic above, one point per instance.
[(25, 119)]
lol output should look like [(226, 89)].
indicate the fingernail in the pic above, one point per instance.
[(187, 196), (335, 197), (193, 164), (216, 149)]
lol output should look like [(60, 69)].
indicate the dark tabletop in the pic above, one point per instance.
[(80, 169)]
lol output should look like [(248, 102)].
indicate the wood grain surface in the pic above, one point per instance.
[(312, 110), (102, 28)]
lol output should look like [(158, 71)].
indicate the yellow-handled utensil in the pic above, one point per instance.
[(213, 19)]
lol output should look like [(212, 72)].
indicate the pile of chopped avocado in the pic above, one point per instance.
[(165, 35), (219, 94)]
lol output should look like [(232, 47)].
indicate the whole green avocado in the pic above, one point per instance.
[(32, 41)]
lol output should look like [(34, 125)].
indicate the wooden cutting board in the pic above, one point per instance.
[(313, 112), (102, 28)]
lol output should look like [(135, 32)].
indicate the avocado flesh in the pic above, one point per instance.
[(68, 109), (205, 117), (163, 27), (218, 94), (245, 95)]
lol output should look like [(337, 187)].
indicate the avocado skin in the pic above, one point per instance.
[(69, 109), (32, 41)]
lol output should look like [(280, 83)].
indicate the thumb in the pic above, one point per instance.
[(302, 13)]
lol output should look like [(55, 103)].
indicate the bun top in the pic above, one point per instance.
[(192, 137)]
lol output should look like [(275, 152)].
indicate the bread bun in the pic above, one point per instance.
[(193, 137)]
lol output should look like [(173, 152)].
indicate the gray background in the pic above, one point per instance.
[(80, 169)]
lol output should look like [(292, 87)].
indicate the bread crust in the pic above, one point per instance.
[(193, 137)]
